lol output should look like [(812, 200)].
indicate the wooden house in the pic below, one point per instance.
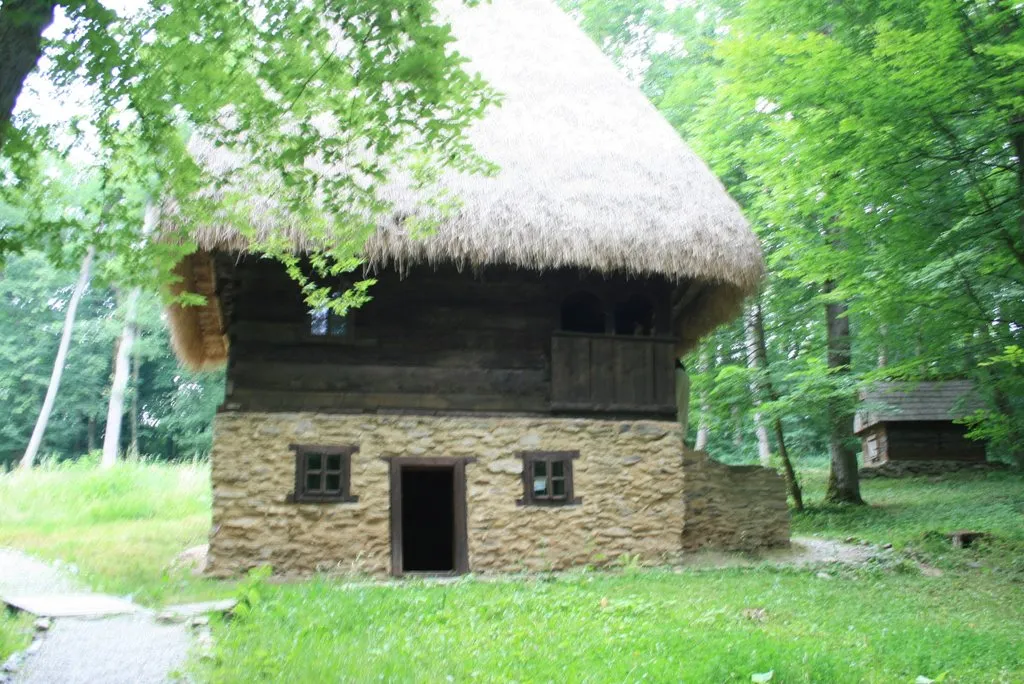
[(507, 399), (905, 421)]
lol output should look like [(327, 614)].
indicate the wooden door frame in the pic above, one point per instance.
[(460, 545)]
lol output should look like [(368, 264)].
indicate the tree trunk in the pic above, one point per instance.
[(58, 364), (737, 427), (115, 409), (90, 435), (682, 397), (133, 450), (883, 347), (1017, 140), (843, 479), (764, 449), (22, 23), (760, 353), (703, 431)]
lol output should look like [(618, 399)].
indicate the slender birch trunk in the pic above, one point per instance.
[(122, 363), (58, 364), (761, 352), (703, 430), (764, 449), (133, 450)]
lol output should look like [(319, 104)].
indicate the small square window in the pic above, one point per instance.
[(547, 478), (322, 474), (325, 322)]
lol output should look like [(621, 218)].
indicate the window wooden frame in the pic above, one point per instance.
[(321, 494), (331, 319), (530, 497)]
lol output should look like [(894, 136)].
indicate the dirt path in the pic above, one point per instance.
[(802, 551), (128, 649)]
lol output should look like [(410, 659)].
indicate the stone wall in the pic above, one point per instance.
[(732, 508), (629, 477), (921, 468)]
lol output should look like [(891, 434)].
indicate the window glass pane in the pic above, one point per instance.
[(540, 468), (334, 462), (557, 468), (314, 462), (558, 487), (333, 483), (338, 325), (318, 321), (312, 483), (540, 486)]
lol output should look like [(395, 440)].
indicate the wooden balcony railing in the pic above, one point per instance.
[(613, 374)]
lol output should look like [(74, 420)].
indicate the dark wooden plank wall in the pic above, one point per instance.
[(433, 340), (612, 374), (930, 441)]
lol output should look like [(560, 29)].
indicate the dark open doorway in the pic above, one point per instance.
[(428, 519), (428, 516)]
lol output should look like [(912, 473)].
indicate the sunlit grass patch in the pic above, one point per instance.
[(708, 626), (15, 633), (120, 527)]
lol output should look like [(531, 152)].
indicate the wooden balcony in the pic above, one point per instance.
[(613, 374)]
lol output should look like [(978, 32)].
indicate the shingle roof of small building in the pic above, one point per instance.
[(895, 402)]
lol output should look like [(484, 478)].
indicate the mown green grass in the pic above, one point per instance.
[(884, 623), (120, 527), (869, 626), (902, 511), (15, 633)]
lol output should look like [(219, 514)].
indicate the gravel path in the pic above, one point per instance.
[(22, 574), (127, 649), (123, 649)]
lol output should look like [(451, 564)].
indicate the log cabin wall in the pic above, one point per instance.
[(930, 441), (874, 445), (440, 340)]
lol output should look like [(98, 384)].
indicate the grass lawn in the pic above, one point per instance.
[(120, 528), (884, 623), (709, 626)]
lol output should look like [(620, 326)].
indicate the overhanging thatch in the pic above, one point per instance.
[(197, 333), (592, 176)]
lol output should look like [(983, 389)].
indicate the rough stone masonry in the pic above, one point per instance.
[(642, 493)]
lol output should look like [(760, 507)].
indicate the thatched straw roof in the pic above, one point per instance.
[(592, 176)]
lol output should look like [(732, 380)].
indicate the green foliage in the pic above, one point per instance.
[(251, 590), (367, 89), (878, 151)]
